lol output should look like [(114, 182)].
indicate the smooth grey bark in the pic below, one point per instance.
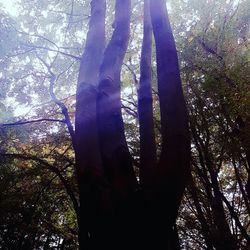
[(116, 158), (87, 151), (174, 163)]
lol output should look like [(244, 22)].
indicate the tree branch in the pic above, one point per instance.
[(132, 73), (31, 121), (53, 50), (60, 104)]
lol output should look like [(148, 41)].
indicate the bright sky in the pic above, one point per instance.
[(10, 6)]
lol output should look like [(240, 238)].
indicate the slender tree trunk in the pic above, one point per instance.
[(88, 157), (241, 186), (223, 230), (148, 158), (236, 219), (174, 164), (244, 127), (200, 215), (145, 109)]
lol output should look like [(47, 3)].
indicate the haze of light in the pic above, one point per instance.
[(10, 6)]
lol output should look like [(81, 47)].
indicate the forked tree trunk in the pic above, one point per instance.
[(110, 211), (88, 157), (174, 164)]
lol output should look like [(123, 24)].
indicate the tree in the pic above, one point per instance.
[(108, 184), (212, 115)]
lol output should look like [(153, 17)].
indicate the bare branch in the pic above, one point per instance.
[(31, 121), (60, 104), (132, 73), (20, 53), (38, 36), (130, 111), (53, 50)]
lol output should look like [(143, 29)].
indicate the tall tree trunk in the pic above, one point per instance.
[(145, 109), (148, 158), (88, 157), (174, 164), (116, 158)]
